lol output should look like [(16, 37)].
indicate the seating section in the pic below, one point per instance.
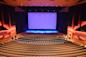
[(41, 47)]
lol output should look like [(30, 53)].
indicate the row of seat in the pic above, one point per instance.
[(18, 49)]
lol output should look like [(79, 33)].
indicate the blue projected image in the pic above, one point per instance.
[(41, 31), (42, 22)]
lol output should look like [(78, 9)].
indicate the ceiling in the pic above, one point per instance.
[(61, 3)]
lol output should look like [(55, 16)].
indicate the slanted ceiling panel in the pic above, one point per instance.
[(43, 2)]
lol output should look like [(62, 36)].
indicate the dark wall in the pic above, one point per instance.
[(79, 10), (22, 16), (21, 22), (5, 12), (64, 18), (63, 21)]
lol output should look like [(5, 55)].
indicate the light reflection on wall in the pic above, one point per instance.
[(61, 3), (75, 36), (8, 34)]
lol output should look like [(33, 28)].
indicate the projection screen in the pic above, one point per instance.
[(42, 20)]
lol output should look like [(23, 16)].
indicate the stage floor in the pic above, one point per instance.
[(42, 31), (47, 35)]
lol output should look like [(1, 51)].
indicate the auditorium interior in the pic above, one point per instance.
[(42, 28)]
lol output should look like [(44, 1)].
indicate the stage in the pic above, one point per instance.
[(42, 35)]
